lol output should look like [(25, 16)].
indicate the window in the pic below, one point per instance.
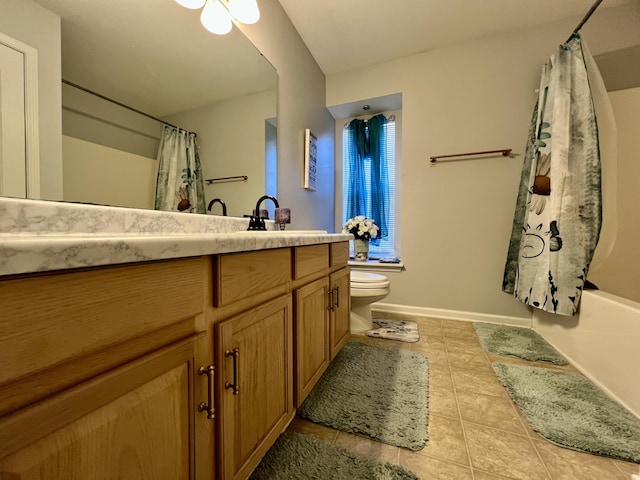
[(370, 196)]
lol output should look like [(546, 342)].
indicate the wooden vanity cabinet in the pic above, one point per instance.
[(255, 384), (99, 376), (170, 370), (253, 356), (312, 336), (340, 311), (322, 310)]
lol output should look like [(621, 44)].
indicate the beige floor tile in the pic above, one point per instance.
[(481, 381), (437, 355), (565, 464), (365, 446), (489, 410), (502, 453), (627, 468), (442, 401), (440, 378), (461, 342), (457, 325), (446, 440), (300, 425), (468, 359), (426, 467), (480, 475)]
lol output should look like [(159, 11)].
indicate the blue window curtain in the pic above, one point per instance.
[(368, 195)]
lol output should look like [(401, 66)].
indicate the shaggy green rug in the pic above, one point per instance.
[(516, 341), (570, 411), (379, 393), (298, 456)]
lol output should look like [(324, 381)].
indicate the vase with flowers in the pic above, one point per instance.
[(363, 229)]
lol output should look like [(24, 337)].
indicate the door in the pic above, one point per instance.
[(131, 424), (254, 384), (312, 349), (13, 180), (341, 311)]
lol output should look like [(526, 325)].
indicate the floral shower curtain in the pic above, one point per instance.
[(179, 185), (559, 209)]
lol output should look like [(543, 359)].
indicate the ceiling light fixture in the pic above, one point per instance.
[(217, 15)]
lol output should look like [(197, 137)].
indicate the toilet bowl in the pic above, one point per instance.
[(366, 288)]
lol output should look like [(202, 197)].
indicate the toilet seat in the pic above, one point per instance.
[(366, 280)]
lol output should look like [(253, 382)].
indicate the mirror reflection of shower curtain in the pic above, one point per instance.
[(556, 227), (179, 184)]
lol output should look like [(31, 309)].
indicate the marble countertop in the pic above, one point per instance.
[(38, 236)]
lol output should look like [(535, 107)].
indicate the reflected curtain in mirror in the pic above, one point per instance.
[(179, 185)]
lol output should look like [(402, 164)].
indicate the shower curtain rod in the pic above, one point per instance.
[(120, 104), (584, 20)]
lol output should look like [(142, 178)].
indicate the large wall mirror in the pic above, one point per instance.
[(154, 56)]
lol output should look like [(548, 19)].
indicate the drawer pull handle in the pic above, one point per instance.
[(235, 353), (208, 407)]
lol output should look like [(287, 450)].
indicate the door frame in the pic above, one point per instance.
[(31, 117)]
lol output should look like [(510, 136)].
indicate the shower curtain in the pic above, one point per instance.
[(558, 212), (179, 185)]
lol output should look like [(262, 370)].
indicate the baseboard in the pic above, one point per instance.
[(451, 314)]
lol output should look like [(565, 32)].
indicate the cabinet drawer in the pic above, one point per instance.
[(339, 254), (310, 259), (242, 275), (59, 329)]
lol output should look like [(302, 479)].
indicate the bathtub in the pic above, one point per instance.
[(602, 340)]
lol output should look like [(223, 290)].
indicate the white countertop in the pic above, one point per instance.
[(38, 236)]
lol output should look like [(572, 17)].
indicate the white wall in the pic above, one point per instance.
[(456, 217), (97, 174), (301, 104), (29, 23)]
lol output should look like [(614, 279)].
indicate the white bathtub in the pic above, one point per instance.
[(602, 340)]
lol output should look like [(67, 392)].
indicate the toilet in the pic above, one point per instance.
[(366, 288)]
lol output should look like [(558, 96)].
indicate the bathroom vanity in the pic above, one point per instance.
[(131, 351)]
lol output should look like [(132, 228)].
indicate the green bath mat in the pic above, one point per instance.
[(298, 456), (375, 392), (570, 411), (516, 341)]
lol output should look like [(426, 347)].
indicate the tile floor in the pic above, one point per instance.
[(475, 430)]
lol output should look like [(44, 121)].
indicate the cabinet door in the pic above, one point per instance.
[(133, 423), (312, 352), (254, 384), (341, 311)]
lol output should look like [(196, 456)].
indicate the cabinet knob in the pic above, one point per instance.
[(204, 407), (235, 353)]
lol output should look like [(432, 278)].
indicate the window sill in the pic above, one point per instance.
[(376, 265)]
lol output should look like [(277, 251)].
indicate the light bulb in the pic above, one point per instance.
[(191, 4), (245, 11), (215, 18)]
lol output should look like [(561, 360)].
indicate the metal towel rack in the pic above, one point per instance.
[(505, 152), (237, 178)]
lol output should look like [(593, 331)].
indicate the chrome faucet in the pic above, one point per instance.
[(221, 202), (257, 222)]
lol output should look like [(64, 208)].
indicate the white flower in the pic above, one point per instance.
[(361, 227)]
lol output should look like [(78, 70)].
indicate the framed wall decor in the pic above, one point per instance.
[(310, 160)]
